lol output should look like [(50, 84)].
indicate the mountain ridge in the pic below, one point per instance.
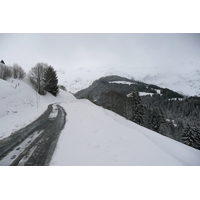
[(184, 83), (188, 85)]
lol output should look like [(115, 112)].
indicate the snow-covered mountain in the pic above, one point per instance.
[(92, 135), (77, 79), (186, 82), (183, 78)]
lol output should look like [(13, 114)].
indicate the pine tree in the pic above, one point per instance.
[(51, 81), (187, 136), (196, 132), (2, 62), (137, 108), (157, 119)]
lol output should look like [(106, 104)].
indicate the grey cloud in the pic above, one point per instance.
[(137, 51)]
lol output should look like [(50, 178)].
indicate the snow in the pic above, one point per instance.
[(97, 137), (158, 91), (54, 112), (76, 79), (8, 159), (92, 135), (187, 84), (184, 81), (145, 93), (20, 105), (121, 82)]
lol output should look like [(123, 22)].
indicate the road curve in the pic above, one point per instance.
[(34, 145)]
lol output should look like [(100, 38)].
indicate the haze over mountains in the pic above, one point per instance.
[(186, 82)]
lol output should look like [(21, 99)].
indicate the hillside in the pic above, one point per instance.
[(125, 86), (162, 110), (96, 136), (92, 135), (20, 105)]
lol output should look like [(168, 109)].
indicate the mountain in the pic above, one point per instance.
[(77, 79), (124, 86), (92, 135), (184, 79), (188, 84)]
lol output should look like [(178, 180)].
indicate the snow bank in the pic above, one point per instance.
[(95, 136)]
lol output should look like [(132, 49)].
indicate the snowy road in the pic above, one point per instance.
[(34, 144)]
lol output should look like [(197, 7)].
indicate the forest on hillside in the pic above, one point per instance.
[(167, 112)]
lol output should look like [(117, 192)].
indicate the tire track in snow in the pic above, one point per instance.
[(34, 144)]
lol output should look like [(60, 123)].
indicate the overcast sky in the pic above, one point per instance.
[(133, 51)]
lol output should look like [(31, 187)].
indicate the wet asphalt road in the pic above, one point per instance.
[(34, 145)]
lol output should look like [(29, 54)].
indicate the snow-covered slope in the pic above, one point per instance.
[(77, 79), (95, 136), (20, 105), (92, 135), (187, 84)]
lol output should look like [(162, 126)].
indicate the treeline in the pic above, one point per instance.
[(42, 76), (14, 71), (174, 118)]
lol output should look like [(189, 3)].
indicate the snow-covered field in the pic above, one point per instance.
[(92, 135)]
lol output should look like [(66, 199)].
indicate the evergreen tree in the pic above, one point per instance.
[(51, 81), (196, 133), (137, 108), (2, 62), (157, 119), (147, 117), (187, 136)]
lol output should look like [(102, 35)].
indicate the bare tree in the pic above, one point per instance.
[(5, 71), (2, 70), (36, 75), (18, 72)]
